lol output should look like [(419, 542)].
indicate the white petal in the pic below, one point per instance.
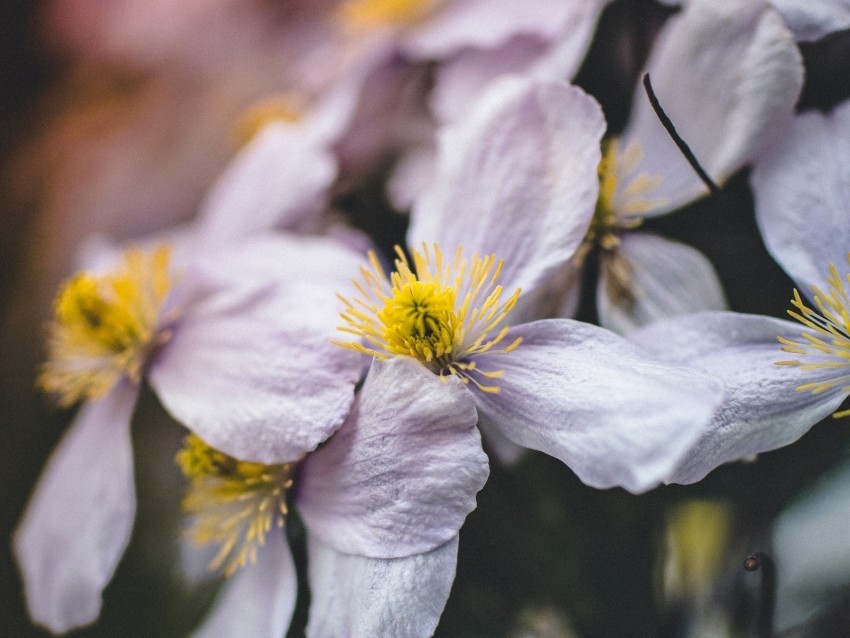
[(802, 196), (259, 599), (667, 279), (813, 19), (252, 370), (80, 516), (598, 403), (282, 175), (524, 159), (401, 475), (355, 596), (762, 409), (728, 75)]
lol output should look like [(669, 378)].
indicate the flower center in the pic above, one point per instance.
[(828, 347), (369, 14), (233, 503), (441, 314), (104, 325)]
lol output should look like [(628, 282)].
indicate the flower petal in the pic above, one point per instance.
[(802, 196), (402, 473), (666, 279), (283, 174), (598, 403), (252, 370), (259, 599), (740, 54), (762, 409), (813, 19), (80, 516), (358, 596), (525, 158)]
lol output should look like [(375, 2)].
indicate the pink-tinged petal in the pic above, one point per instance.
[(80, 516), (741, 55), (356, 596), (524, 159), (402, 473), (259, 599), (280, 177), (761, 409), (486, 24), (802, 196), (460, 80), (814, 19), (606, 408), (666, 279), (252, 370)]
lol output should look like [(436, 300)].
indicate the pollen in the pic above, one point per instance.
[(827, 346), (277, 108), (442, 313), (104, 326), (371, 14), (233, 504)]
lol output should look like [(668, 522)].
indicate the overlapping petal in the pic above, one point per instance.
[(802, 196), (762, 409), (606, 408), (79, 519), (402, 473), (814, 19), (741, 55), (356, 596), (516, 177)]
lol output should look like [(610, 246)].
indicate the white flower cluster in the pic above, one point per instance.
[(315, 370)]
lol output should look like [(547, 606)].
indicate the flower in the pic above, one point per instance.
[(381, 531), (579, 393), (223, 334)]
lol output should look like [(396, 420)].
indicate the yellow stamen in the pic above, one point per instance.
[(371, 14), (233, 503), (104, 326), (828, 346), (441, 314), (278, 108)]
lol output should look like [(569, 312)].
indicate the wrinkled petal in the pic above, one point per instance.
[(740, 54), (485, 24), (802, 196), (258, 600), (253, 371), (601, 405), (525, 158), (356, 596), (666, 279), (813, 19), (402, 473), (80, 516), (283, 174), (762, 409)]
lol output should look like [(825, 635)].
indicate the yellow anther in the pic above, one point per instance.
[(371, 14)]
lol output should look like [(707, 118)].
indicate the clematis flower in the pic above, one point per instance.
[(742, 56), (381, 531), (223, 336), (527, 152)]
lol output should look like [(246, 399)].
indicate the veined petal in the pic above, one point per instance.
[(525, 157), (259, 599), (251, 369), (283, 174), (606, 408), (739, 53), (401, 475), (356, 596), (665, 279), (802, 196), (80, 516), (813, 19), (762, 410)]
